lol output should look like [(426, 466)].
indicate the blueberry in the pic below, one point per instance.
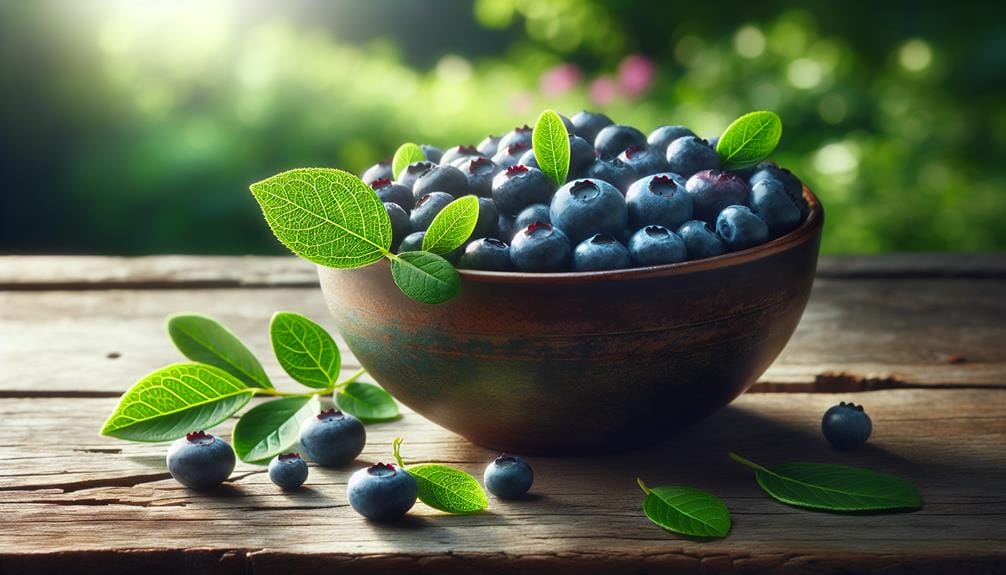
[(508, 477), (660, 200), (489, 146), (393, 192), (511, 155), (713, 190), (480, 173), (529, 160), (600, 252), (773, 205), (581, 156), (540, 248), (520, 186), (488, 254), (485, 226), (401, 226), (656, 245), (288, 470), (846, 426), (568, 123), (459, 152), (444, 178), (505, 228), (587, 124), (586, 207), (519, 135), (664, 135), (200, 460), (689, 154), (535, 213), (792, 184), (740, 228), (382, 492), (413, 171), (646, 160), (433, 153), (613, 171), (412, 242), (333, 438), (700, 241), (427, 208), (614, 139), (713, 141), (378, 171)]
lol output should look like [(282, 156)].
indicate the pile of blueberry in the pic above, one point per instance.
[(629, 200)]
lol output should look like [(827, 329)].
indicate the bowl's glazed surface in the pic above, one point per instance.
[(557, 363)]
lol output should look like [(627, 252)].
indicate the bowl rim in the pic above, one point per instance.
[(807, 231)]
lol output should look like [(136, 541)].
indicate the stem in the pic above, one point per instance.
[(324, 391), (356, 375), (396, 448), (747, 463), (643, 486)]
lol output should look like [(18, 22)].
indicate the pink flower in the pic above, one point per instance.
[(602, 90), (521, 103), (635, 75), (559, 79)]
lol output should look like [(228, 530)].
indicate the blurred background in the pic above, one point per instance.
[(135, 127)]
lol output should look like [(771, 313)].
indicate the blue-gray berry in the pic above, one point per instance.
[(200, 460), (382, 492), (288, 470), (333, 438), (508, 477)]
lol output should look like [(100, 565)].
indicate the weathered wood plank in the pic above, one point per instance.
[(183, 272), (90, 502), (855, 334)]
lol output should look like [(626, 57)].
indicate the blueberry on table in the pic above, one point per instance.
[(459, 152), (432, 152), (646, 160), (519, 135), (519, 186), (511, 155), (489, 146), (395, 192), (382, 492), (332, 438), (508, 477), (582, 208), (427, 208), (713, 190), (600, 252), (587, 124), (401, 226), (656, 245), (740, 228), (200, 460), (480, 173), (613, 140), (700, 241), (689, 154), (380, 170), (288, 470), (540, 248), (664, 135), (532, 214), (612, 170), (443, 178), (413, 171), (659, 199), (846, 426), (773, 205), (488, 254)]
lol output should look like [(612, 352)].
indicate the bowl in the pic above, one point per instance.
[(577, 362)]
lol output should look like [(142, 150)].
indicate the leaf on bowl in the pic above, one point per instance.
[(425, 277), (406, 154), (749, 140), (271, 428), (304, 349), (204, 339), (452, 226)]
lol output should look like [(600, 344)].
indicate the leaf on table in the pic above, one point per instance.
[(749, 140), (448, 489), (326, 216), (305, 350), (272, 428), (452, 226), (204, 339), (686, 510), (176, 400), (367, 402), (425, 277), (551, 146)]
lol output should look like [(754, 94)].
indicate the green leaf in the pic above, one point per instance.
[(271, 428), (749, 140), (448, 489), (453, 226), (203, 339), (366, 401), (686, 510), (425, 277), (304, 349), (325, 216), (405, 155), (551, 146), (832, 487), (176, 400)]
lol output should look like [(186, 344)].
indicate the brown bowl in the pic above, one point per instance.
[(560, 363)]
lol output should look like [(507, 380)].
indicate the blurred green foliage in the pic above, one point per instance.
[(136, 127)]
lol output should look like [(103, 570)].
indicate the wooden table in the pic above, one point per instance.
[(919, 340)]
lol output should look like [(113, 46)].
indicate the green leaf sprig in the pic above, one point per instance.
[(749, 140), (444, 488), (686, 510), (181, 398)]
